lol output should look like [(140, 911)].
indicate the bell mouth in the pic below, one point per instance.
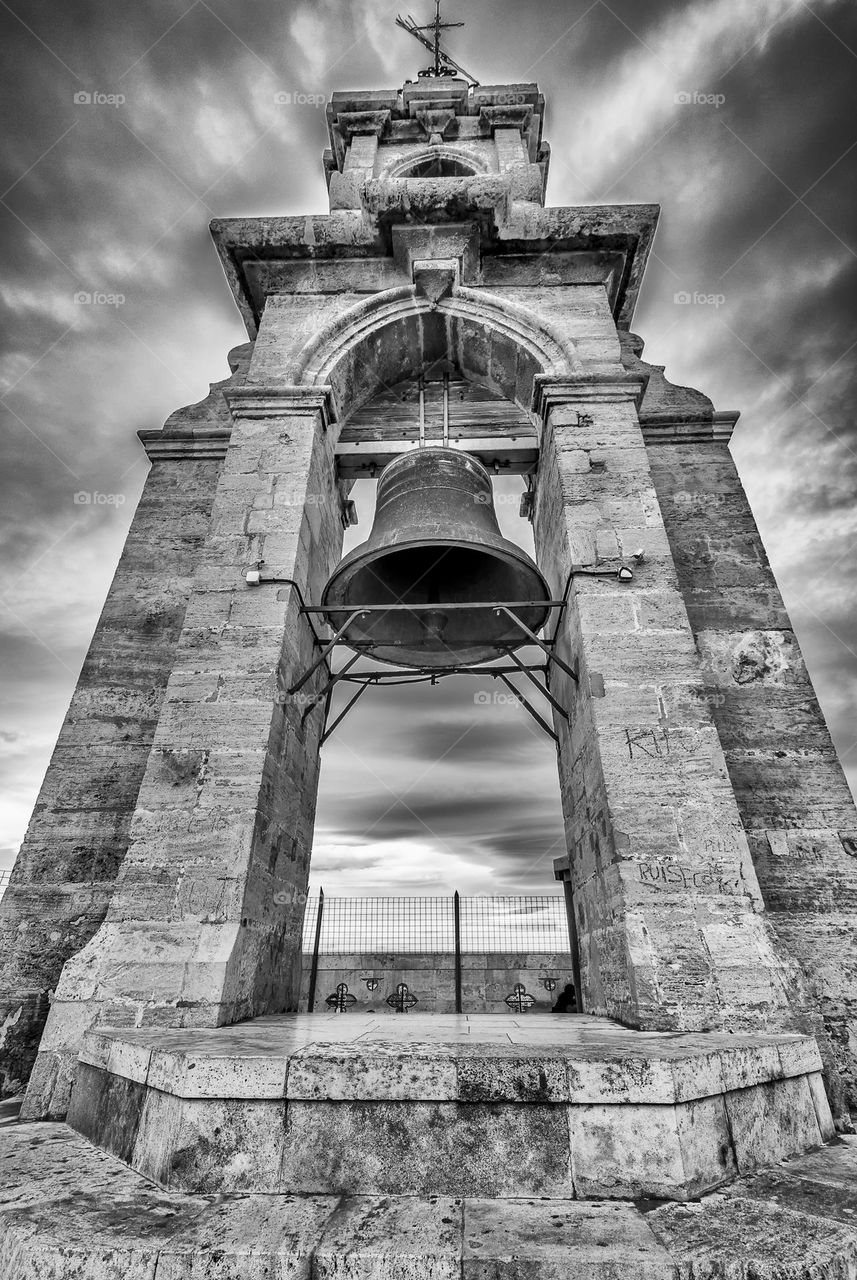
[(432, 574)]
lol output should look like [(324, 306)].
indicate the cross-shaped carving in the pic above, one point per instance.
[(403, 999), (341, 999), (520, 999)]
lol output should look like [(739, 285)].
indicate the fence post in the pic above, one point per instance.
[(572, 938), (313, 973), (456, 909)]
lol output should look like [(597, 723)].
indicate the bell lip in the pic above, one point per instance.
[(359, 556)]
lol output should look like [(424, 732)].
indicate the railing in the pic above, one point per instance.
[(408, 925), (4, 880)]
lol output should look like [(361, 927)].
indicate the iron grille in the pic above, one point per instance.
[(407, 925)]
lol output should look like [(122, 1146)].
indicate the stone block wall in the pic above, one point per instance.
[(791, 792), (63, 879), (487, 978)]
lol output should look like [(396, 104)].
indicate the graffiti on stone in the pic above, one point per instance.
[(648, 742), (713, 875)]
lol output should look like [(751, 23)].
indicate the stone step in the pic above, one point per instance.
[(461, 1106), (71, 1212)]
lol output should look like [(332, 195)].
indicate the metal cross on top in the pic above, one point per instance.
[(444, 65)]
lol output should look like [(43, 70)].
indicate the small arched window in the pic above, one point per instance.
[(439, 167)]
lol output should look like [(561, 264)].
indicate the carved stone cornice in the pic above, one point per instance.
[(200, 444), (281, 401), (715, 430), (357, 123), (550, 390), (507, 116)]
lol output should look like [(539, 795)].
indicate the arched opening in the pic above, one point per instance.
[(438, 161), (398, 334), (431, 788), (439, 166)]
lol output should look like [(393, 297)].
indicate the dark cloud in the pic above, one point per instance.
[(757, 191)]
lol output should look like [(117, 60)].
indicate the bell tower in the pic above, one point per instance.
[(697, 854)]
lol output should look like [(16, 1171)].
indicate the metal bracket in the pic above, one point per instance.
[(411, 674)]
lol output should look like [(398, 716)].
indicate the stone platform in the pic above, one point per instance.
[(478, 1106), (71, 1212)]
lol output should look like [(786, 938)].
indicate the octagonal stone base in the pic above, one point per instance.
[(461, 1106)]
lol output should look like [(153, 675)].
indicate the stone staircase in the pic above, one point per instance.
[(70, 1210), (482, 1148)]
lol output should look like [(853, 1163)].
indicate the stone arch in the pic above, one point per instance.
[(472, 163), (396, 333)]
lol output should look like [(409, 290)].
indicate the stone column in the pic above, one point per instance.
[(358, 168), (668, 908), (793, 798), (204, 927), (77, 837)]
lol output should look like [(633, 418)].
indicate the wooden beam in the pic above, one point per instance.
[(509, 455)]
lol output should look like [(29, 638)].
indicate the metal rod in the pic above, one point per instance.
[(419, 608), (535, 640), (431, 673), (328, 731), (557, 706), (446, 409), (572, 939), (290, 582), (313, 973), (322, 694), (532, 710), (324, 653), (456, 911), (422, 392)]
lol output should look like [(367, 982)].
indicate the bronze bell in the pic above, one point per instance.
[(436, 541)]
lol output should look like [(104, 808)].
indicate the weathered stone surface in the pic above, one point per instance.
[(69, 1212), (769, 1122), (660, 1151), (250, 1238), (197, 930), (544, 1239), (533, 1106), (670, 935), (391, 1239), (791, 792), (740, 1238), (210, 1146), (77, 838), (466, 1149)]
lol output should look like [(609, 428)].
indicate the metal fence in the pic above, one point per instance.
[(4, 880), (344, 926)]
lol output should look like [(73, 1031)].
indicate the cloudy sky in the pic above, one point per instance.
[(737, 116)]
